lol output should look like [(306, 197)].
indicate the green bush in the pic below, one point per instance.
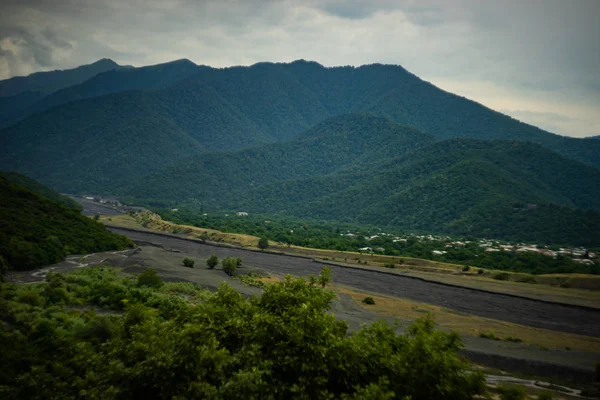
[(545, 396), (480, 271), (212, 261), (30, 297), (369, 301), (502, 276), (149, 278), (263, 243), (512, 392), (389, 265), (466, 268), (188, 262), (230, 265)]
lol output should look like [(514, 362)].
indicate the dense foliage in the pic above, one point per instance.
[(331, 236), (44, 191), (37, 231), (92, 334), (19, 93)]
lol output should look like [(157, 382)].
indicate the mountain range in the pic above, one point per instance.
[(371, 144)]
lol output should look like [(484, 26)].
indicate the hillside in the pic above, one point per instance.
[(241, 107), (37, 231), (20, 92), (395, 176), (35, 186), (347, 141), (96, 143)]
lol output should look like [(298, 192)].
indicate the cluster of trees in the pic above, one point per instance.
[(37, 231), (149, 342), (330, 236)]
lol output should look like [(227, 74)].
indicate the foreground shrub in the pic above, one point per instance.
[(188, 262), (150, 278), (389, 265), (283, 344)]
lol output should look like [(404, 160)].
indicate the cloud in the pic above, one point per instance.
[(539, 53)]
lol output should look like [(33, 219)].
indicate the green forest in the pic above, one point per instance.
[(37, 231), (97, 334)]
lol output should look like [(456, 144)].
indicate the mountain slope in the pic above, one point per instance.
[(37, 231), (361, 168), (36, 187), (96, 143), (337, 143), (241, 107)]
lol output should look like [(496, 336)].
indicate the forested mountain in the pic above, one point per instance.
[(20, 92), (35, 186), (37, 231), (113, 81), (395, 176), (240, 107), (95, 143)]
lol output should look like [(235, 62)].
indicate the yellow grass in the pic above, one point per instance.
[(471, 325)]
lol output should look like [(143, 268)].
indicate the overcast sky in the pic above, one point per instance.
[(537, 60)]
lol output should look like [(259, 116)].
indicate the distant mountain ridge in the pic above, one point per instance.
[(270, 102), (50, 81)]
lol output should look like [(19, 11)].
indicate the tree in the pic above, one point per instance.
[(188, 262), (324, 277), (263, 243), (212, 261)]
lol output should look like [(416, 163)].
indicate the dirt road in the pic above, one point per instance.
[(518, 310)]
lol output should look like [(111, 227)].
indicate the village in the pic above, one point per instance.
[(577, 254)]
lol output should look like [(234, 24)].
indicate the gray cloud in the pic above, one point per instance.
[(535, 56)]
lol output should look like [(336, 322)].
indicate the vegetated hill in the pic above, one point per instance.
[(360, 168), (348, 141), (241, 107), (37, 231), (95, 143), (20, 92), (460, 186), (113, 81), (35, 186)]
